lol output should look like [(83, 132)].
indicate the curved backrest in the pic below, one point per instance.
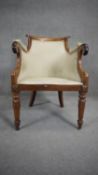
[(48, 58)]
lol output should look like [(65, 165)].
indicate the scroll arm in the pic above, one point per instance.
[(17, 46)]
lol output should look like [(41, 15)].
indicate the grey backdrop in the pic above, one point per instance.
[(78, 18), (48, 142)]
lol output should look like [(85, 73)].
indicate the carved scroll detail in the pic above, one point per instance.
[(16, 48), (85, 49)]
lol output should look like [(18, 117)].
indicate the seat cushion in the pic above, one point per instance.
[(54, 81)]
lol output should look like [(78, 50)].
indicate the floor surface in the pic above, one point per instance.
[(48, 142)]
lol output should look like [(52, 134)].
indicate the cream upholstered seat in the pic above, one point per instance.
[(48, 64), (54, 81)]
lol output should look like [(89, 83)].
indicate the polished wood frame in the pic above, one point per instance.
[(17, 88)]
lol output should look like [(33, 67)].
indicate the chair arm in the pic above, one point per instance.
[(81, 49), (17, 46), (83, 46)]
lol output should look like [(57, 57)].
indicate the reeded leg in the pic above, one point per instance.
[(16, 107), (60, 95), (81, 108), (32, 98)]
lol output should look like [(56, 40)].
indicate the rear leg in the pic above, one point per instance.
[(32, 99), (60, 95)]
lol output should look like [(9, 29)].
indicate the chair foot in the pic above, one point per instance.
[(30, 105), (17, 128), (17, 125), (80, 124), (61, 106)]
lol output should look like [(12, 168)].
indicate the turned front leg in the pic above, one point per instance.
[(81, 108), (16, 108)]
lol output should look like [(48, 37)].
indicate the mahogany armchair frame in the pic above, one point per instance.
[(17, 88)]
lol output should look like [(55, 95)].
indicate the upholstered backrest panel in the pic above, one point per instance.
[(48, 59)]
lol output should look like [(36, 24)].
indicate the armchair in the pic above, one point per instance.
[(48, 64)]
